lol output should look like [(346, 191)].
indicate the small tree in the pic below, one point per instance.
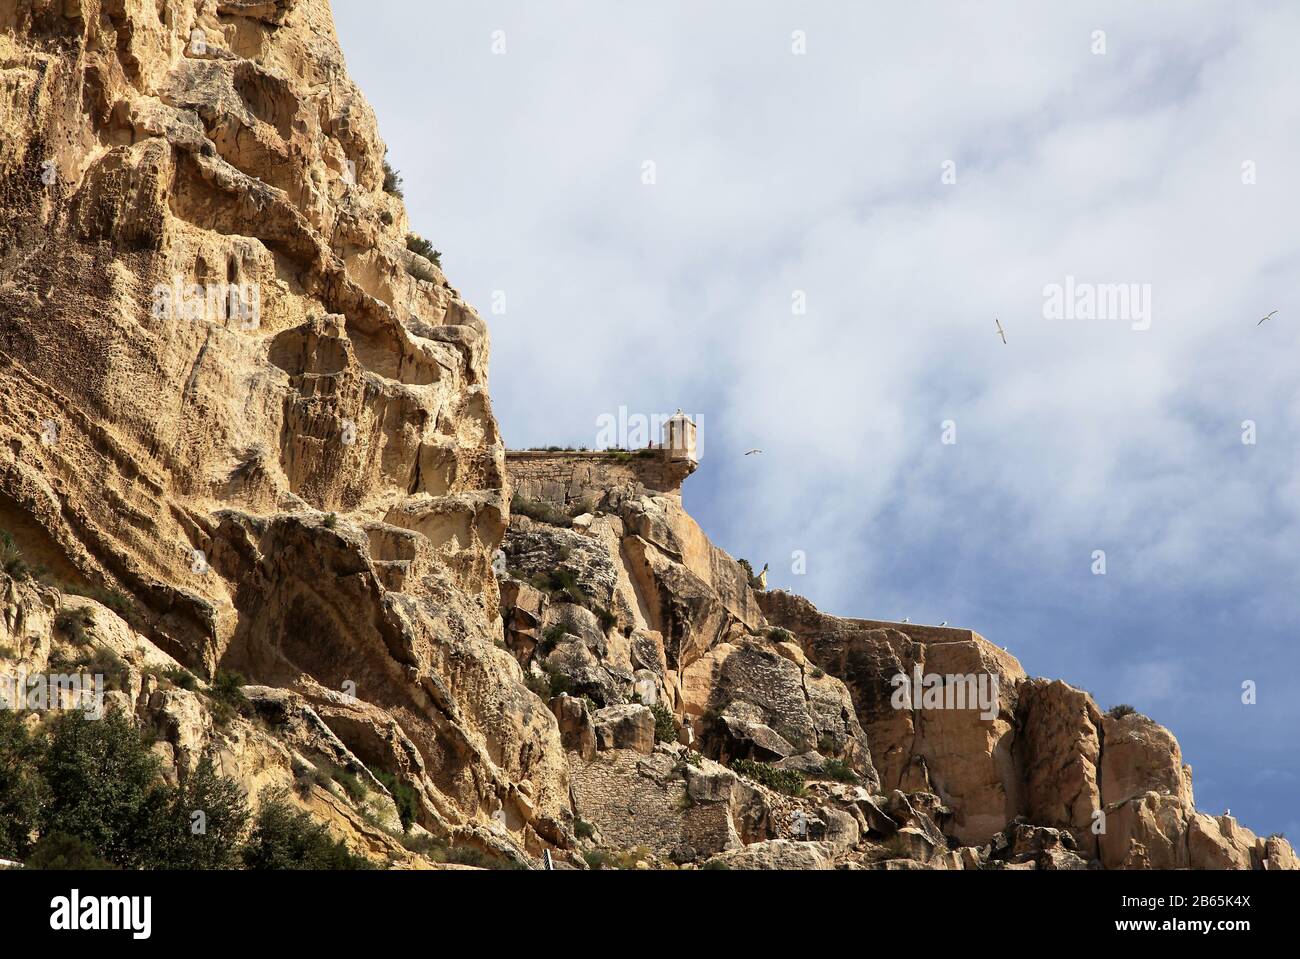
[(392, 180), (58, 850), (22, 790), (665, 724), (105, 789), (285, 837), (206, 822)]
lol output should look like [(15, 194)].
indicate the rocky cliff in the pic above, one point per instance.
[(235, 401), (709, 721), (245, 432)]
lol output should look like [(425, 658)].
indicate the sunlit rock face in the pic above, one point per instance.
[(229, 391), (245, 427)]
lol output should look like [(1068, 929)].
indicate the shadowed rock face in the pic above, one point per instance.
[(1116, 784), (214, 339), (237, 408)]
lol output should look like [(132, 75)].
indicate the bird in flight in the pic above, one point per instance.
[(1001, 332), (1269, 317), (752, 452)]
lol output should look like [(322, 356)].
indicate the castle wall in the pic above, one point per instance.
[(565, 478)]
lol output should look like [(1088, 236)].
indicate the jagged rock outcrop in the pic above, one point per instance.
[(239, 411), (229, 392), (1114, 783)]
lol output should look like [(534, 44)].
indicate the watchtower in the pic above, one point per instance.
[(679, 439)]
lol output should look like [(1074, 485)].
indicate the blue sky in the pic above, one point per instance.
[(1163, 154)]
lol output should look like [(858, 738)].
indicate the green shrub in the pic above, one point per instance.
[(782, 780), (422, 247), (583, 829), (665, 724), (551, 637), (540, 510), (404, 797), (331, 520), (117, 601), (211, 842), (285, 837), (585, 505), (228, 699), (423, 844), (392, 181), (58, 850), (607, 619), (22, 789), (351, 784), (73, 623), (540, 685), (105, 788), (11, 557), (181, 677), (560, 683), (101, 661), (839, 770), (1120, 711), (561, 585)]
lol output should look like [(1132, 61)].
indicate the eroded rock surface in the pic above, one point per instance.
[(230, 393), (236, 408)]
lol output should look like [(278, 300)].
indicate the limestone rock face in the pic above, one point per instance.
[(1115, 785), (244, 428), (229, 392), (960, 754), (1059, 749)]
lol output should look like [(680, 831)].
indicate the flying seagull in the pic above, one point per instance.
[(752, 452), (1269, 317), (1001, 332)]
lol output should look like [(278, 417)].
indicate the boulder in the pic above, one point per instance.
[(778, 854), (625, 727)]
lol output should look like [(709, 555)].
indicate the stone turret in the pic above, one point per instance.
[(679, 439)]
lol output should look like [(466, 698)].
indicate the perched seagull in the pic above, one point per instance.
[(906, 620), (752, 452), (1269, 317), (1001, 332), (944, 623)]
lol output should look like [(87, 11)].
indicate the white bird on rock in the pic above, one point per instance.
[(944, 623)]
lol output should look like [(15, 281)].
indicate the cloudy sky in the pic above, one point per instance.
[(798, 222)]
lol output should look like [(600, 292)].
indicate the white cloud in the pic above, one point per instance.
[(822, 173)]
